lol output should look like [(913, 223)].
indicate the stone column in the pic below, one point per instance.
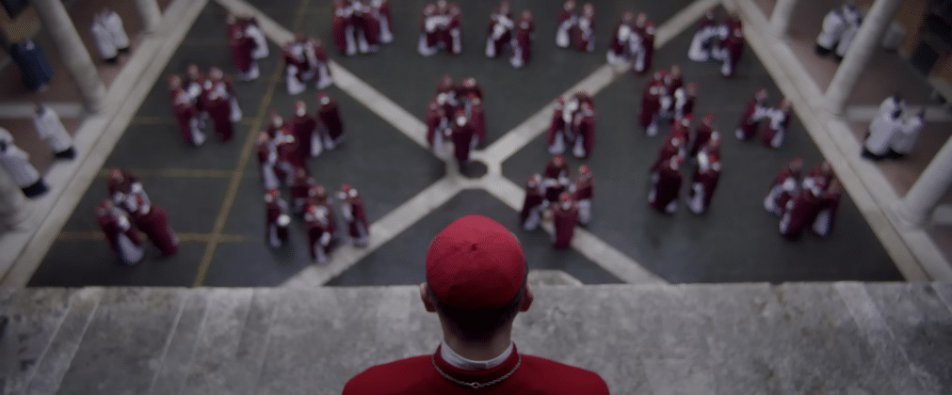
[(780, 18), (14, 208), (150, 13), (916, 207), (72, 52), (864, 46)]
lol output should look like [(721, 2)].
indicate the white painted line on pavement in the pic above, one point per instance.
[(587, 244), (381, 232), (516, 139)]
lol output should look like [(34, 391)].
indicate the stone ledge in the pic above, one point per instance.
[(744, 338)]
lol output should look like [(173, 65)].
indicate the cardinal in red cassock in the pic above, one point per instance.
[(564, 218)]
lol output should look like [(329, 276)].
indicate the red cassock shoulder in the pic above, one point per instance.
[(417, 376)]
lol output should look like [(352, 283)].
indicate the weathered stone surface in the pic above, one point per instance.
[(918, 323), (686, 339), (178, 356), (33, 318), (229, 352), (124, 343), (56, 360)]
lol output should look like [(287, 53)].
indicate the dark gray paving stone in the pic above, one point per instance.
[(58, 356), (511, 96), (33, 318), (919, 322), (402, 260), (174, 366), (119, 355), (737, 241), (160, 146), (228, 359), (87, 263)]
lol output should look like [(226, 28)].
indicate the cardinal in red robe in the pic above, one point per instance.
[(318, 196), (733, 47), (185, 113), (778, 120), (785, 186), (318, 236), (644, 31), (800, 212), (304, 128), (342, 28), (564, 218), (499, 32), (462, 136), (118, 230), (666, 187), (276, 219), (477, 118), (267, 161), (332, 127), (352, 208), (705, 179), (584, 127), (829, 204), (300, 189), (242, 48), (522, 44), (583, 193), (556, 178), (702, 134), (755, 111), (154, 223), (533, 204), (651, 104)]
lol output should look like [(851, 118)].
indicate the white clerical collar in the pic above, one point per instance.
[(458, 361)]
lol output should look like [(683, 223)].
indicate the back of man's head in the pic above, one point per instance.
[(476, 277)]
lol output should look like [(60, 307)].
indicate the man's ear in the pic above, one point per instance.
[(425, 298), (526, 300)]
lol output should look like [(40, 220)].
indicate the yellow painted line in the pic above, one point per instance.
[(169, 120), (95, 235), (176, 173)]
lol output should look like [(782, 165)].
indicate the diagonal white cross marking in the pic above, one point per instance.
[(439, 193), (382, 231), (514, 140), (587, 244)]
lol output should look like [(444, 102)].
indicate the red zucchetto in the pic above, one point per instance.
[(475, 264)]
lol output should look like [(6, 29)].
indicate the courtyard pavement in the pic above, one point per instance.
[(213, 195)]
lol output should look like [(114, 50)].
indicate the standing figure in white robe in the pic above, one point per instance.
[(834, 24), (104, 42), (113, 24), (882, 131), (904, 141), (892, 104), (16, 162), (49, 127), (853, 21)]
